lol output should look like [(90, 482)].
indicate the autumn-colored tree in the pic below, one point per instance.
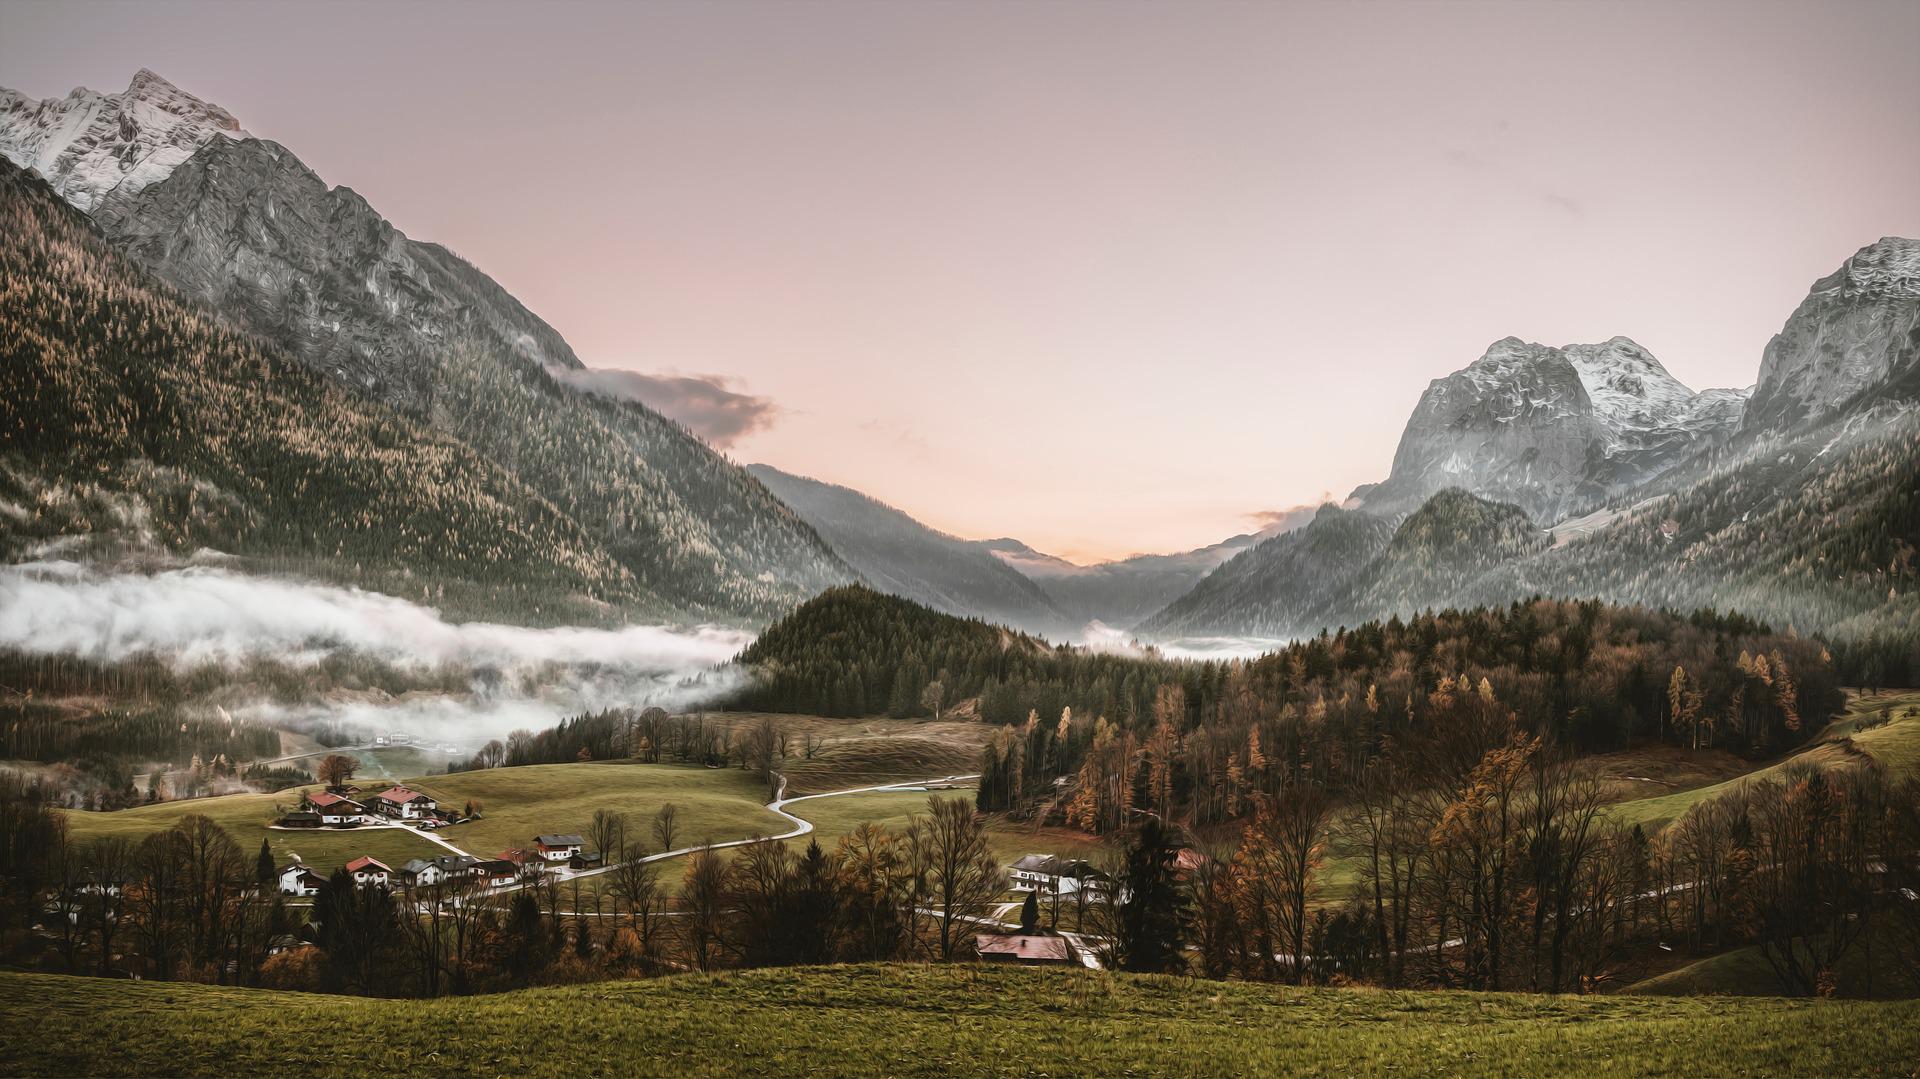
[(336, 770)]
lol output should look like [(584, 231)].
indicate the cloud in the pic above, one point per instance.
[(1274, 522), (516, 676), (710, 406)]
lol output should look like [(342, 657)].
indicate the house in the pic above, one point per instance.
[(446, 869), (300, 819), (333, 809), (1048, 874), (368, 870), (497, 872), (402, 803), (1032, 950), (558, 848), (586, 859), (526, 863), (421, 873), (297, 879)]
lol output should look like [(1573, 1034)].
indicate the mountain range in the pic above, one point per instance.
[(242, 227), (212, 348)]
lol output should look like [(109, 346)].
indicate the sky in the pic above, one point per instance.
[(1108, 278)]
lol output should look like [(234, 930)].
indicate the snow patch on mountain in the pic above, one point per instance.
[(88, 144)]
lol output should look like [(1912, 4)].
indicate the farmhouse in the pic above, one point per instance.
[(558, 848), (333, 809), (297, 879), (446, 869), (300, 819), (1048, 874), (368, 870), (497, 872), (1032, 950), (526, 863), (402, 803)]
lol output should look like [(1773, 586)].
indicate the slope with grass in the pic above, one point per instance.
[(936, 1021), (520, 803), (1853, 738), (516, 803), (246, 818)]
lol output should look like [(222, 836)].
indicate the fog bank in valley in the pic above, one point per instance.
[(514, 676)]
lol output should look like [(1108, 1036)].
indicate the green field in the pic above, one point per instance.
[(835, 817), (936, 1021), (1895, 744), (245, 817), (520, 803)]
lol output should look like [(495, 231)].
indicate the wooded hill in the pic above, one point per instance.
[(1589, 675)]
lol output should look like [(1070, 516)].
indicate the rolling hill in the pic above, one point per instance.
[(936, 1021)]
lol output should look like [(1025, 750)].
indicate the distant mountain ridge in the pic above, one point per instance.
[(242, 225), (902, 557)]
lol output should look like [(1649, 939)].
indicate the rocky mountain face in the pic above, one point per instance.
[(1858, 331), (1552, 430), (243, 226), (900, 556), (88, 144), (1804, 510)]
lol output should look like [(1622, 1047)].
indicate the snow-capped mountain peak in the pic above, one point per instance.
[(1630, 390), (89, 143)]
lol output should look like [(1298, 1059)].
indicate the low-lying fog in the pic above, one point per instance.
[(514, 677)]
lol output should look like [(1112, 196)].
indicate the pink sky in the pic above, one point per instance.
[(1108, 278)]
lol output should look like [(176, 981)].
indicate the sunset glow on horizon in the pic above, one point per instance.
[(1105, 278)]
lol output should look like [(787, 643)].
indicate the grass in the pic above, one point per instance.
[(517, 803), (1895, 744), (245, 817), (520, 803), (868, 752), (835, 817), (935, 1021), (1862, 972)]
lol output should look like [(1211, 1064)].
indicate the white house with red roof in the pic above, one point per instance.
[(367, 869), (333, 808), (402, 803)]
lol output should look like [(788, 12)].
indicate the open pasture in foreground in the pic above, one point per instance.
[(936, 1021)]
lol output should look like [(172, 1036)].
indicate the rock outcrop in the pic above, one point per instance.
[(1857, 331)]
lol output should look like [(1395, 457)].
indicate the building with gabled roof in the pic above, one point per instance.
[(402, 803), (367, 869)]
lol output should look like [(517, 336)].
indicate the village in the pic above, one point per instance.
[(1036, 882), (405, 807)]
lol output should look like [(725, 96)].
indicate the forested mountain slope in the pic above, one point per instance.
[(129, 415), (243, 226)]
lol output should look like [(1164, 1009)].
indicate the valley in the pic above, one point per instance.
[(908, 622)]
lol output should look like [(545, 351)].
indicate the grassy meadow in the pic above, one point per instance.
[(937, 1021), (246, 817), (520, 803)]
